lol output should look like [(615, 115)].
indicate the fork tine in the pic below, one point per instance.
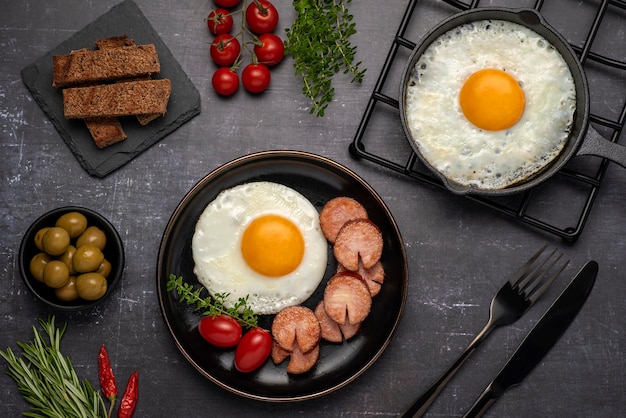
[(519, 274), (522, 285), (537, 293)]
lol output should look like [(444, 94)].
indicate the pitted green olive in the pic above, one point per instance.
[(55, 241), (56, 274), (39, 237), (74, 223), (67, 257), (87, 258), (94, 236), (37, 264), (68, 292), (104, 268), (91, 286)]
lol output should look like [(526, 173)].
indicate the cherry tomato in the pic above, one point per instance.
[(253, 349), (227, 3), (225, 50), (219, 21), (255, 77), (225, 81), (220, 330), (261, 16), (271, 51)]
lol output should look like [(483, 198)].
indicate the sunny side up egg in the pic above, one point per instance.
[(262, 240), (490, 103)]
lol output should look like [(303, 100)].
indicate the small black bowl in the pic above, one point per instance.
[(113, 252)]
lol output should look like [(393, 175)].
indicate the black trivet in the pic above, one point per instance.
[(560, 205)]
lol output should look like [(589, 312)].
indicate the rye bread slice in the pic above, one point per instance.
[(105, 131), (117, 99), (106, 64)]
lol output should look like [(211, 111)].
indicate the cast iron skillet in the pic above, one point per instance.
[(583, 139)]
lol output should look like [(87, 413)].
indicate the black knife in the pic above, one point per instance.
[(541, 339)]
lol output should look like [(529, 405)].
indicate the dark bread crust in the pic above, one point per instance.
[(102, 65), (117, 99)]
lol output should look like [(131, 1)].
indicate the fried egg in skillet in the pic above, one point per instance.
[(490, 103)]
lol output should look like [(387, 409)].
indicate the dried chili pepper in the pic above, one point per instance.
[(129, 400), (107, 378)]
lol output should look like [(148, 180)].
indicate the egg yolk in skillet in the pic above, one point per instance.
[(492, 99), (272, 245)]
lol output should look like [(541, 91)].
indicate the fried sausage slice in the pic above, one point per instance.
[(332, 331), (373, 276), (278, 354), (358, 240), (347, 299), (296, 326), (337, 212), (330, 328), (300, 362)]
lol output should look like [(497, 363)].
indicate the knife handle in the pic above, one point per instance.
[(483, 403)]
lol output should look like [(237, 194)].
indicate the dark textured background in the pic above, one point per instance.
[(459, 253)]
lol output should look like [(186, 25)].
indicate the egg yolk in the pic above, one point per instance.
[(272, 245), (492, 99)]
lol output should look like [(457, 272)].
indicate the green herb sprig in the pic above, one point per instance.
[(212, 305), (319, 42), (47, 380)]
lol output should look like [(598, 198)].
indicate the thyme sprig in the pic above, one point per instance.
[(319, 42), (47, 380), (213, 306)]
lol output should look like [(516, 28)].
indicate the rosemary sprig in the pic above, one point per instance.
[(212, 306), (319, 42), (47, 380)]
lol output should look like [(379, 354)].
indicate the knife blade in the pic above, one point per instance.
[(540, 339)]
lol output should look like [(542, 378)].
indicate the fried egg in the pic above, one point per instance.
[(490, 103), (262, 240)]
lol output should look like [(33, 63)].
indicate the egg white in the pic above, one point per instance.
[(465, 153), (216, 246)]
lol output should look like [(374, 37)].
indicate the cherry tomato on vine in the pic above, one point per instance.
[(271, 51), (227, 3), (219, 21), (225, 81), (261, 16), (225, 50), (220, 330), (255, 78), (253, 349)]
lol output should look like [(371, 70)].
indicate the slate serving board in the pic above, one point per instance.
[(184, 104)]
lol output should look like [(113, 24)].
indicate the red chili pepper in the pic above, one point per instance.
[(107, 379), (129, 400)]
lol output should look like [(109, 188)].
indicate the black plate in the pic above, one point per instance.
[(319, 179)]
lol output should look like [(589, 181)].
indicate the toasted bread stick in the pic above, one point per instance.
[(118, 99), (107, 64)]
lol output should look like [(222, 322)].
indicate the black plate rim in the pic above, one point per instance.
[(284, 156)]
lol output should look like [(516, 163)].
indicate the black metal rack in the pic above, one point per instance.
[(562, 204)]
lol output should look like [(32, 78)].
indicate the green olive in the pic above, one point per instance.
[(94, 236), (56, 274), (104, 268), (74, 223), (37, 264), (67, 257), (87, 258), (68, 292), (91, 286), (39, 236), (55, 241)]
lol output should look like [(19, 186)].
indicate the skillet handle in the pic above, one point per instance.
[(596, 144)]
